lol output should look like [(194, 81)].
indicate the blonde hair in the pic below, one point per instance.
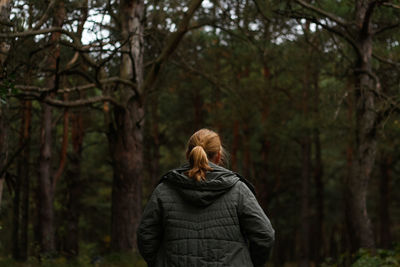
[(202, 146)]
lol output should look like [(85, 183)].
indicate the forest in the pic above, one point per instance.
[(99, 97)]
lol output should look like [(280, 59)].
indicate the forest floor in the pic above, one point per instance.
[(111, 260)]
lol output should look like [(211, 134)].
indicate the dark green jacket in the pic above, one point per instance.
[(213, 223)]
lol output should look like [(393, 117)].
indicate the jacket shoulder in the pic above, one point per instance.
[(246, 182)]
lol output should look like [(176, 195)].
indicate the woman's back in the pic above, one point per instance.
[(206, 223)]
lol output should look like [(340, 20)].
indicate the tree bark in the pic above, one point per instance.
[(319, 197), (4, 48), (386, 166), (64, 146), (126, 134), (153, 142), (73, 172), (305, 202), (45, 185), (21, 196), (198, 103), (126, 151), (73, 181), (347, 241), (25, 181), (1, 189), (235, 146), (318, 175), (126, 138), (45, 192), (365, 134), (5, 6), (360, 36), (305, 142)]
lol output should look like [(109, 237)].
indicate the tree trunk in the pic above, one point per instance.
[(359, 35), (318, 174), (45, 192), (16, 217), (5, 8), (73, 172), (319, 197), (45, 185), (262, 182), (126, 137), (21, 196), (126, 140), (198, 119), (247, 162), (305, 143), (4, 17), (365, 135), (64, 146), (25, 181), (1, 189), (74, 191), (153, 143), (384, 202), (305, 202), (347, 240), (235, 146), (126, 151)]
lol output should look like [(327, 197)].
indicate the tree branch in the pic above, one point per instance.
[(367, 18), (391, 5), (385, 28), (187, 67), (387, 61), (242, 37), (260, 10), (71, 104), (334, 30), (76, 41), (76, 88), (31, 32), (170, 46), (82, 102), (45, 15), (340, 21)]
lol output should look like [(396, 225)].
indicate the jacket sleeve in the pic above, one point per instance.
[(256, 227), (149, 233)]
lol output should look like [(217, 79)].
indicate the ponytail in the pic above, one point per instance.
[(203, 145), (199, 162)]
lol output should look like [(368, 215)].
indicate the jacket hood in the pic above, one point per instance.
[(218, 181)]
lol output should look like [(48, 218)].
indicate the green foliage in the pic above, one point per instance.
[(365, 258), (383, 258)]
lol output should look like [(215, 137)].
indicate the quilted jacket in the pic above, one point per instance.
[(214, 223)]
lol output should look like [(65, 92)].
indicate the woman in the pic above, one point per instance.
[(202, 214)]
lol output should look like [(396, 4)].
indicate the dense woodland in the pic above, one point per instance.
[(99, 97)]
